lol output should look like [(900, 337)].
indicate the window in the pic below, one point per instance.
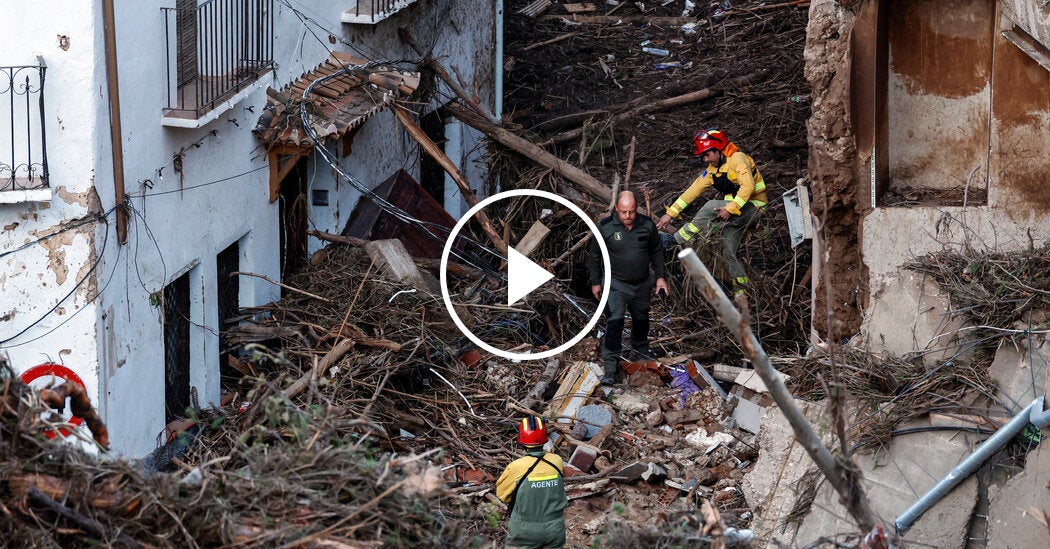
[(177, 348)]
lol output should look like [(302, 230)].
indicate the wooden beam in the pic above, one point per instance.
[(452, 170), (583, 181)]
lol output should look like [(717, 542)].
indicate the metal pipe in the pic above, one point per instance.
[(115, 133), (43, 131), (1033, 413)]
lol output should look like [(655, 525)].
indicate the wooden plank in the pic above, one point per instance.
[(584, 7), (576, 387), (535, 8), (395, 263), (532, 239)]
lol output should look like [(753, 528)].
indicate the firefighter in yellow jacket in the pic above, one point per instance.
[(533, 489), (736, 177)]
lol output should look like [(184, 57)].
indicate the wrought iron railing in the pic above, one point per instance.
[(215, 50), (23, 144), (377, 10)]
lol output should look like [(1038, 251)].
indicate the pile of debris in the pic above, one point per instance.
[(271, 473)]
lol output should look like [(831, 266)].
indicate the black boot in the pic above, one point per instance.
[(612, 371)]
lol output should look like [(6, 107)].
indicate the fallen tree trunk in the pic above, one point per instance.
[(660, 105), (580, 178), (443, 74)]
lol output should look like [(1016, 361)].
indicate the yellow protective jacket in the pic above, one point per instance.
[(742, 176)]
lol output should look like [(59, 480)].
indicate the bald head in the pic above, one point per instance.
[(626, 208)]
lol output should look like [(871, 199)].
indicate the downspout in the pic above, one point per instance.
[(498, 110), (114, 119)]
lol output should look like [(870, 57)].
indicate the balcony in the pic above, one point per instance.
[(370, 12), (216, 53), (23, 144)]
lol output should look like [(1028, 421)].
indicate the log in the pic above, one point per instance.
[(634, 109), (626, 19), (554, 40), (443, 74), (330, 358), (660, 105), (580, 178), (842, 473), (553, 367), (85, 523), (452, 170)]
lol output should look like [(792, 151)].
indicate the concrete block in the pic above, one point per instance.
[(700, 439), (595, 417), (894, 479), (631, 404), (748, 415), (1014, 507), (909, 313), (1021, 371), (773, 485)]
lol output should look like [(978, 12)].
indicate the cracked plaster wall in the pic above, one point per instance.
[(46, 250), (865, 247)]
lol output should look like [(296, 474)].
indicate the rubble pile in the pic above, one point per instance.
[(294, 474), (581, 80)]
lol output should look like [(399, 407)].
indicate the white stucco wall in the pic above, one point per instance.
[(56, 263), (179, 222)]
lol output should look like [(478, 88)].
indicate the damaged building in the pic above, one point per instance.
[(151, 153), (178, 216)]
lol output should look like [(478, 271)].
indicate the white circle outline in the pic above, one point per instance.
[(606, 282)]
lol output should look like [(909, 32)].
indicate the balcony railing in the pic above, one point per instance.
[(215, 50), (367, 12), (23, 145)]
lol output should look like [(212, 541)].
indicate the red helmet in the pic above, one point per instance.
[(706, 140), (532, 432)]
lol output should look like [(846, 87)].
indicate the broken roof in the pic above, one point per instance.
[(335, 107)]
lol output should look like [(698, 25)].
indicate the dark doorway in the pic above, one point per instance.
[(294, 220), (176, 348), (228, 288), (431, 174)]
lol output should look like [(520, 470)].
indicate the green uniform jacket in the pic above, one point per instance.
[(631, 252), (538, 518)]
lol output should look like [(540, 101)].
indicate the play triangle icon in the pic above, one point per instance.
[(523, 276)]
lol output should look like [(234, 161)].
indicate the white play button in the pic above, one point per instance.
[(523, 276)]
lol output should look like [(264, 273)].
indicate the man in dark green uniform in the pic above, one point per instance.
[(533, 488), (636, 255)]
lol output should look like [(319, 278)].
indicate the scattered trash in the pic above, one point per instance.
[(656, 51), (662, 66)]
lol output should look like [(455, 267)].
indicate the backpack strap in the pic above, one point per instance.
[(514, 494)]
